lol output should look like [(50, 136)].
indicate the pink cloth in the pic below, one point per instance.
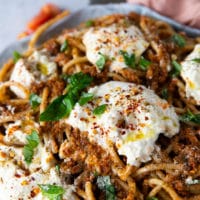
[(184, 11)]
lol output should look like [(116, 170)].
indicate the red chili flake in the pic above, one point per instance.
[(123, 132), (34, 192), (17, 175), (84, 119), (131, 127)]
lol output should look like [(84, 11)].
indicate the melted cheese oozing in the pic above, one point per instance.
[(34, 69), (190, 73), (133, 119), (110, 40)]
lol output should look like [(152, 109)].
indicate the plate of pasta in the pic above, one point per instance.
[(107, 108)]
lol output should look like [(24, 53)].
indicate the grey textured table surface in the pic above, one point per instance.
[(14, 14)]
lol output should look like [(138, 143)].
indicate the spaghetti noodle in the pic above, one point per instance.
[(83, 163)]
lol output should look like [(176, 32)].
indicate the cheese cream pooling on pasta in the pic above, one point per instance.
[(133, 119), (109, 41), (38, 67), (18, 180), (190, 73)]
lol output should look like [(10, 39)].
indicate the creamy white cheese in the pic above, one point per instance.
[(46, 64), (34, 69), (15, 184), (190, 73), (21, 74), (42, 159), (16, 132), (133, 119), (110, 40), (15, 136)]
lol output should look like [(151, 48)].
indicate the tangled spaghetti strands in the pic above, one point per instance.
[(166, 187), (155, 178)]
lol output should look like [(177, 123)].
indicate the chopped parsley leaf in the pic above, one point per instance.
[(152, 198), (129, 59), (52, 192), (190, 117), (179, 40), (64, 46), (164, 93), (35, 100), (57, 167), (63, 105), (144, 63), (96, 174), (89, 23), (176, 69), (100, 109), (16, 56), (197, 60), (32, 143), (85, 98), (101, 61)]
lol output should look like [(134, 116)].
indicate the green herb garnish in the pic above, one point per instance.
[(179, 40), (52, 192), (16, 56), (59, 108), (32, 142), (104, 184), (101, 61), (85, 97), (34, 100), (64, 46), (129, 59), (100, 109), (164, 93), (96, 174), (57, 168), (89, 23), (176, 69), (62, 105), (152, 198), (197, 60), (190, 117), (144, 63)]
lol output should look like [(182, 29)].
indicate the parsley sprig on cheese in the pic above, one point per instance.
[(52, 192), (129, 59), (32, 143), (63, 105)]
